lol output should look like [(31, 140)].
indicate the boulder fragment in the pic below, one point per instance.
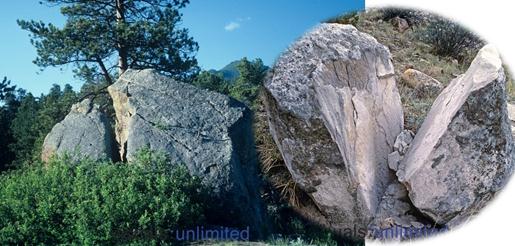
[(464, 152), (403, 141), (400, 148), (84, 133)]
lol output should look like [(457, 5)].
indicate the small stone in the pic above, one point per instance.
[(393, 160), (403, 141), (422, 83), (400, 24)]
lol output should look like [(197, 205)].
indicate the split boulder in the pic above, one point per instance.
[(334, 112)]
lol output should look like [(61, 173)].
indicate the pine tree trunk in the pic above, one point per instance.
[(122, 49)]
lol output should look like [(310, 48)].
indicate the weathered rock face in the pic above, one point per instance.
[(85, 132), (334, 112), (423, 84), (463, 153), (207, 131)]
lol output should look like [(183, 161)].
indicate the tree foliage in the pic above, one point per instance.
[(23, 130), (103, 38), (6, 88), (250, 80), (34, 119), (9, 103), (212, 81), (98, 203)]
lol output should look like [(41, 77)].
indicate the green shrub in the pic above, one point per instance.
[(451, 39), (350, 18), (98, 202)]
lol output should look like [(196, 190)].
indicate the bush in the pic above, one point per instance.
[(350, 18), (98, 202), (451, 39)]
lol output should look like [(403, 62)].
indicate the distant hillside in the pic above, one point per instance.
[(230, 71)]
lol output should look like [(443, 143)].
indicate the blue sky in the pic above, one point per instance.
[(226, 30)]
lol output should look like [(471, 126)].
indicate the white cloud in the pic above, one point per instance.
[(232, 26)]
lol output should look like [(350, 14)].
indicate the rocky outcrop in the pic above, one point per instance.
[(207, 131), (464, 152), (84, 133), (334, 113), (423, 84)]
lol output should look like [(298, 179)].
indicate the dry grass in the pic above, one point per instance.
[(272, 164), (510, 85)]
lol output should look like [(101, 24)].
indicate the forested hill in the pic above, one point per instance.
[(230, 72)]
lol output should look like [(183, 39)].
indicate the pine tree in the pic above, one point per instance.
[(23, 130), (213, 82), (103, 38), (247, 85), (35, 118)]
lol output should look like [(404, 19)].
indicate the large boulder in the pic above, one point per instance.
[(463, 153), (334, 113), (209, 132), (84, 132)]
